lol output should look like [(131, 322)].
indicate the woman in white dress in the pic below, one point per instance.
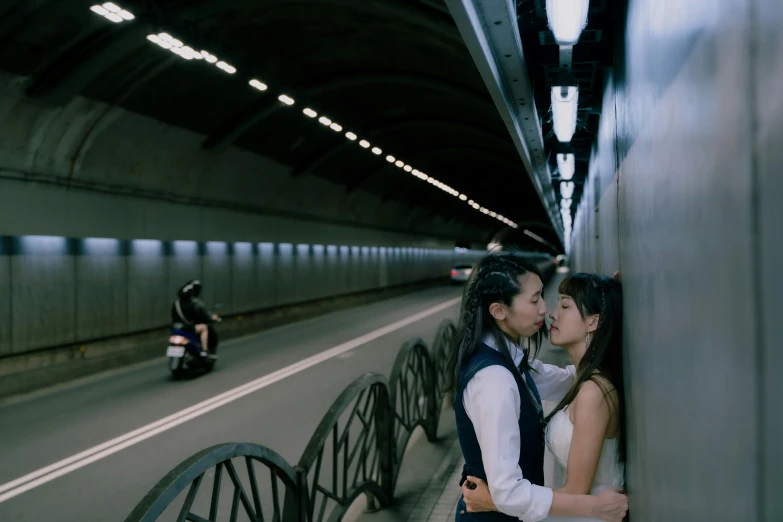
[(585, 431)]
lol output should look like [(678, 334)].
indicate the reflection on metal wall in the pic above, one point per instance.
[(60, 290), (691, 217)]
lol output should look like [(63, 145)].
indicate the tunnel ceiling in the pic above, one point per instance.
[(394, 72)]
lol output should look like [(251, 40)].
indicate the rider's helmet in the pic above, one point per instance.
[(191, 289)]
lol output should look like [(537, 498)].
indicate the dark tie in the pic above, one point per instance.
[(532, 387)]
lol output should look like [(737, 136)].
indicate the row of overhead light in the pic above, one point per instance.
[(566, 19), (114, 13)]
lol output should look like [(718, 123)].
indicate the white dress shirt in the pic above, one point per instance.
[(492, 403)]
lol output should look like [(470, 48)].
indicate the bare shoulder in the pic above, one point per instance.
[(589, 395), (595, 393)]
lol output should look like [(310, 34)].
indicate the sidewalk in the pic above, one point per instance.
[(428, 486)]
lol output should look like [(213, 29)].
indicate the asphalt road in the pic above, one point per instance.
[(46, 427)]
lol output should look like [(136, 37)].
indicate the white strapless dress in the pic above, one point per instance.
[(610, 472)]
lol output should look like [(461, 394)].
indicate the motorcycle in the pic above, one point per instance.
[(186, 357)]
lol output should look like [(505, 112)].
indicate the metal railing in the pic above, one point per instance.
[(357, 449)]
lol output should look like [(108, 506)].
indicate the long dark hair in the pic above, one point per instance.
[(496, 279), (595, 294)]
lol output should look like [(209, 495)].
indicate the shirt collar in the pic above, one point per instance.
[(516, 351)]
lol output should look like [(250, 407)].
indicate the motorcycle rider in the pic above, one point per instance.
[(191, 311)]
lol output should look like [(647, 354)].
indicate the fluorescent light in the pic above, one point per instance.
[(390, 159), (323, 120), (463, 197), (565, 101), (286, 99), (166, 37), (376, 151), (399, 163), (189, 52), (127, 15), (567, 19), (114, 18), (350, 135), (566, 164), (310, 113), (114, 8), (365, 144), (566, 203), (176, 43), (258, 85), (226, 67), (407, 168), (567, 189), (154, 38), (99, 9), (336, 127)]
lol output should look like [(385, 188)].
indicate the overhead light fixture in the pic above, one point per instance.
[(390, 159), (364, 144), (566, 165), (258, 85), (211, 58), (336, 127), (407, 168), (399, 163), (286, 99), (463, 197), (567, 19), (376, 151), (226, 67), (323, 120), (565, 102), (351, 136), (566, 203), (113, 12), (310, 113), (567, 189)]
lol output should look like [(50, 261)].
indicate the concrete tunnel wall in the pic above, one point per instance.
[(105, 213), (130, 176), (62, 291), (684, 197)]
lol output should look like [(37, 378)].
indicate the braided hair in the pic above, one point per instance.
[(496, 279), (603, 358)]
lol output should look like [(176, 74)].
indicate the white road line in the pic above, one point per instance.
[(58, 469)]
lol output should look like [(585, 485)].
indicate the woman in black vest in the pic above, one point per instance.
[(496, 397)]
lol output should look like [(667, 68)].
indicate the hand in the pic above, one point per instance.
[(612, 505), (477, 499), (616, 275)]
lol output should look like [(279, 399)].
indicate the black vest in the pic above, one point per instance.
[(531, 453)]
